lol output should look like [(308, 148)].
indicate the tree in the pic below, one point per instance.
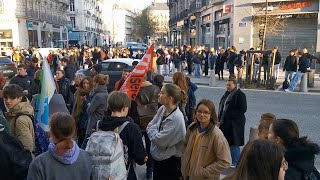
[(144, 25)]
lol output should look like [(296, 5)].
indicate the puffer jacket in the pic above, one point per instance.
[(211, 158), (98, 106), (22, 127)]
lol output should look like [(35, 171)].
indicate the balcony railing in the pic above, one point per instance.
[(87, 28)]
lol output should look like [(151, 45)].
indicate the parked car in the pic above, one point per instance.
[(113, 68), (7, 67)]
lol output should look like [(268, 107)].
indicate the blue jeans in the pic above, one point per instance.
[(294, 81), (197, 70), (288, 74), (235, 154)]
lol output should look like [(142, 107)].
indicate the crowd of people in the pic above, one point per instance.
[(183, 139)]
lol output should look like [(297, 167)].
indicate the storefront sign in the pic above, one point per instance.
[(296, 5), (29, 24), (9, 20), (227, 9)]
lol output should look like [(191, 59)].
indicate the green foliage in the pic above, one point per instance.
[(144, 24)]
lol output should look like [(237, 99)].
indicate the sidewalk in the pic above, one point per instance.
[(204, 81)]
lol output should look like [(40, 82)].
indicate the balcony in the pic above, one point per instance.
[(87, 28), (197, 5), (92, 29)]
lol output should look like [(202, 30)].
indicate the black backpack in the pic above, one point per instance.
[(285, 84), (14, 158)]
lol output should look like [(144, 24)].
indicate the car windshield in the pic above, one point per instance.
[(4, 60)]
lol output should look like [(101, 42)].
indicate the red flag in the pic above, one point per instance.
[(133, 83)]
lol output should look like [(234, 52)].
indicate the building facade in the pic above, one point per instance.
[(160, 13), (86, 22), (223, 23), (33, 23)]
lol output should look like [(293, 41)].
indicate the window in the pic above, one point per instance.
[(105, 66), (117, 66), (71, 5), (73, 21)]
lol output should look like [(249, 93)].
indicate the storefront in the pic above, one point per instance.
[(291, 25), (206, 30), (222, 33)]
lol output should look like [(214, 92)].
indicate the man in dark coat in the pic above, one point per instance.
[(24, 81), (232, 108), (69, 68)]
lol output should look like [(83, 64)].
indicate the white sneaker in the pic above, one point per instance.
[(287, 90)]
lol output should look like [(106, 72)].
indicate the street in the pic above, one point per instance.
[(302, 108)]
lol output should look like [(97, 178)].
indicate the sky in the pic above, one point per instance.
[(140, 4)]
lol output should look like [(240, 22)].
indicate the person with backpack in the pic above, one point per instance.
[(131, 149), (15, 159), (21, 126), (167, 132), (300, 152), (64, 159)]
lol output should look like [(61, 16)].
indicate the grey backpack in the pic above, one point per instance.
[(107, 153)]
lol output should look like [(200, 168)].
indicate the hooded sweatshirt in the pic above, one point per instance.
[(131, 137), (74, 164)]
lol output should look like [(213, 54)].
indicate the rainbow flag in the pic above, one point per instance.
[(48, 88)]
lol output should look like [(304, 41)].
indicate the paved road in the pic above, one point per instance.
[(302, 108)]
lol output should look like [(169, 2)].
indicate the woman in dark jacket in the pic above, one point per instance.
[(300, 152), (97, 107), (79, 112), (232, 108)]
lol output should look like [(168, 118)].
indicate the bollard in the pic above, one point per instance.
[(212, 81), (303, 83), (253, 134)]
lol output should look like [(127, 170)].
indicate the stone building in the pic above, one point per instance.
[(223, 23), (86, 22), (36, 23)]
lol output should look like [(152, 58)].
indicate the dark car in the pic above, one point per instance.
[(113, 68), (7, 67)]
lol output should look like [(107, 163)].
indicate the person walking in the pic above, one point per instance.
[(197, 61), (207, 151), (232, 108), (221, 59)]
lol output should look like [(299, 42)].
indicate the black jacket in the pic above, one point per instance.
[(64, 90), (70, 71), (26, 82), (300, 159), (232, 57), (131, 137), (304, 63), (233, 117), (290, 64)]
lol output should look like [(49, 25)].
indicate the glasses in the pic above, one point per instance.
[(204, 113), (284, 164)]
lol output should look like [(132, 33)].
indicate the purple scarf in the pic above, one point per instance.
[(68, 157)]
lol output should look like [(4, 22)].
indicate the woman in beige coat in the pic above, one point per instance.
[(207, 151)]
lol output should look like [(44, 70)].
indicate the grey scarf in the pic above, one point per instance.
[(224, 104)]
